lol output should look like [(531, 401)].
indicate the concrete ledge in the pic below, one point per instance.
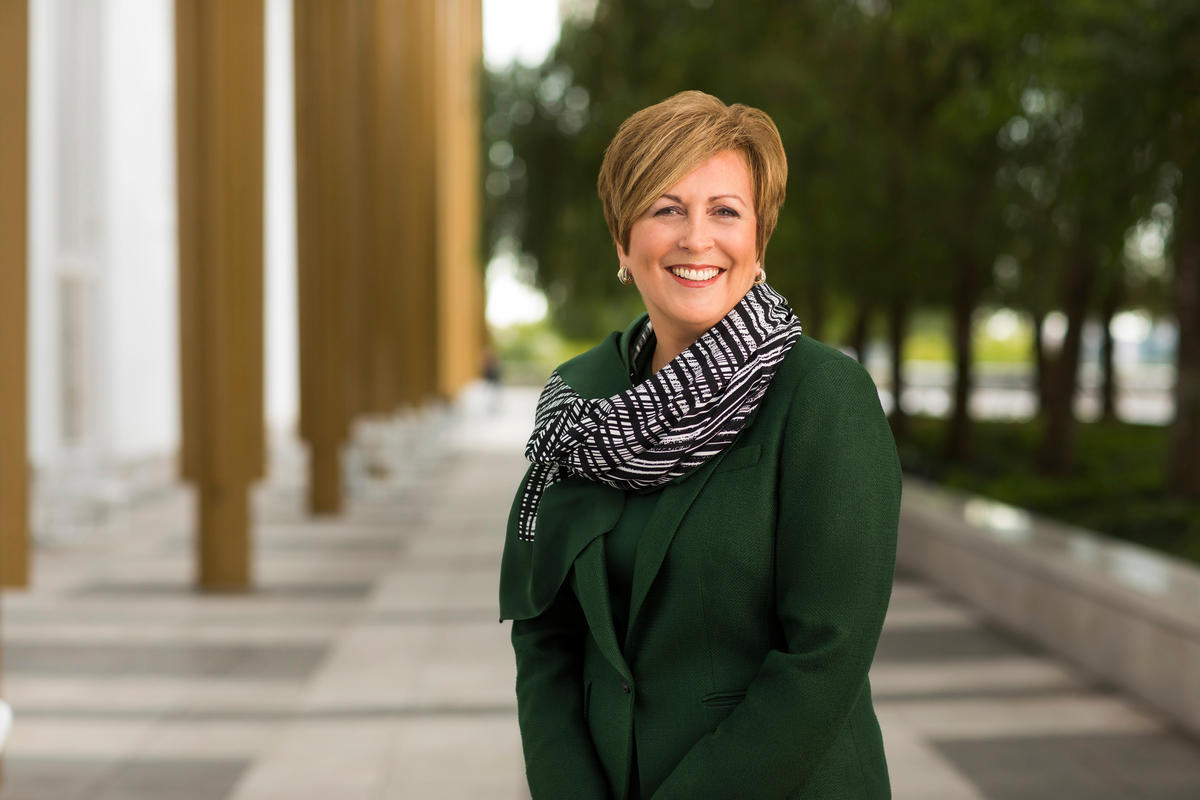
[(1119, 611)]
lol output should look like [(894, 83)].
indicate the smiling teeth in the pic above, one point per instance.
[(695, 274)]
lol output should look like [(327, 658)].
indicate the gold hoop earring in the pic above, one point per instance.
[(761, 277), (624, 275)]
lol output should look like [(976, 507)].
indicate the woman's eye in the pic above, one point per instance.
[(725, 211), (667, 211)]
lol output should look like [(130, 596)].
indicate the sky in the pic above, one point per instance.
[(518, 29), (521, 30)]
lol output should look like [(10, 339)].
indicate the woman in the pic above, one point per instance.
[(699, 559)]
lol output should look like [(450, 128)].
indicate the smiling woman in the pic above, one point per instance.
[(691, 192), (692, 254), (699, 559)]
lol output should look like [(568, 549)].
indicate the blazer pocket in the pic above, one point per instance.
[(740, 458), (722, 699), (587, 699)]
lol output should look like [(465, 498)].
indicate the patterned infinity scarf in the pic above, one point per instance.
[(672, 422)]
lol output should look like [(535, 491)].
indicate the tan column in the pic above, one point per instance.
[(14, 464), (334, 231), (219, 106), (353, 236), (459, 277), (385, 171), (483, 340), (419, 206)]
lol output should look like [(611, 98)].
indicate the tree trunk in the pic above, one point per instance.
[(816, 305), (1183, 455), (1057, 451), (1108, 385), (858, 334), (898, 329), (1041, 369), (966, 292)]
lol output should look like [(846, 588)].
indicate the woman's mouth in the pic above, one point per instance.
[(694, 275)]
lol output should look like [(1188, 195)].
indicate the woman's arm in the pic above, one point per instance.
[(839, 499), (560, 759)]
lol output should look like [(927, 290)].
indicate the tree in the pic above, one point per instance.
[(1176, 89), (1084, 173), (924, 142)]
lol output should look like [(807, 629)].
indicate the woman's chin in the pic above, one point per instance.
[(695, 319), (706, 305)]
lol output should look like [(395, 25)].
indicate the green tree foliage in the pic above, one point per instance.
[(1078, 151), (941, 155), (1175, 88)]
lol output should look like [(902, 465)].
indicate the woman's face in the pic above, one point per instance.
[(693, 253)]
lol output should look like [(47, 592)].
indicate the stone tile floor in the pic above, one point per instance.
[(368, 662)]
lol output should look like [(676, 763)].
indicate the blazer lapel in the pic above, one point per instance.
[(590, 578), (676, 499)]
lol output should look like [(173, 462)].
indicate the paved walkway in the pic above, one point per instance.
[(369, 663)]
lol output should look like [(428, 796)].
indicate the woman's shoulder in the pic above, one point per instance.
[(817, 378), (809, 358), (602, 370), (598, 372)]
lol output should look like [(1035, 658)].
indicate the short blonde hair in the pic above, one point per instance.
[(659, 145)]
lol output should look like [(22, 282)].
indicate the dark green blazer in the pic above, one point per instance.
[(759, 590)]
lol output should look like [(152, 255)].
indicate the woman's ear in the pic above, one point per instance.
[(622, 256)]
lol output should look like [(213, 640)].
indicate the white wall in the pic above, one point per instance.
[(283, 349), (104, 377), (43, 383), (68, 229), (140, 314)]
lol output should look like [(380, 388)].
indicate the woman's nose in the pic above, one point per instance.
[(695, 235)]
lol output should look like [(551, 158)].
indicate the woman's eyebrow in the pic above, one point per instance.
[(711, 199)]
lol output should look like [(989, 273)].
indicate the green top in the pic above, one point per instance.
[(620, 549), (745, 658), (620, 546)]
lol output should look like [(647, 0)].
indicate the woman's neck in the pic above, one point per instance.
[(668, 345)]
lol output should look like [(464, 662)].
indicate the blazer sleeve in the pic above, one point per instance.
[(560, 759), (839, 503)]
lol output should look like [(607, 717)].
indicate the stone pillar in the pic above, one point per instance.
[(14, 460), (459, 295), (219, 46), (388, 247), (333, 232), (419, 209), (391, 294)]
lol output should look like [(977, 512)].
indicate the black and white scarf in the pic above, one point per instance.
[(669, 424)]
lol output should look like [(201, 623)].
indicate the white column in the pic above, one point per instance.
[(103, 340)]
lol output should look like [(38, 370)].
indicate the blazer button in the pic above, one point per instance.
[(625, 686)]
